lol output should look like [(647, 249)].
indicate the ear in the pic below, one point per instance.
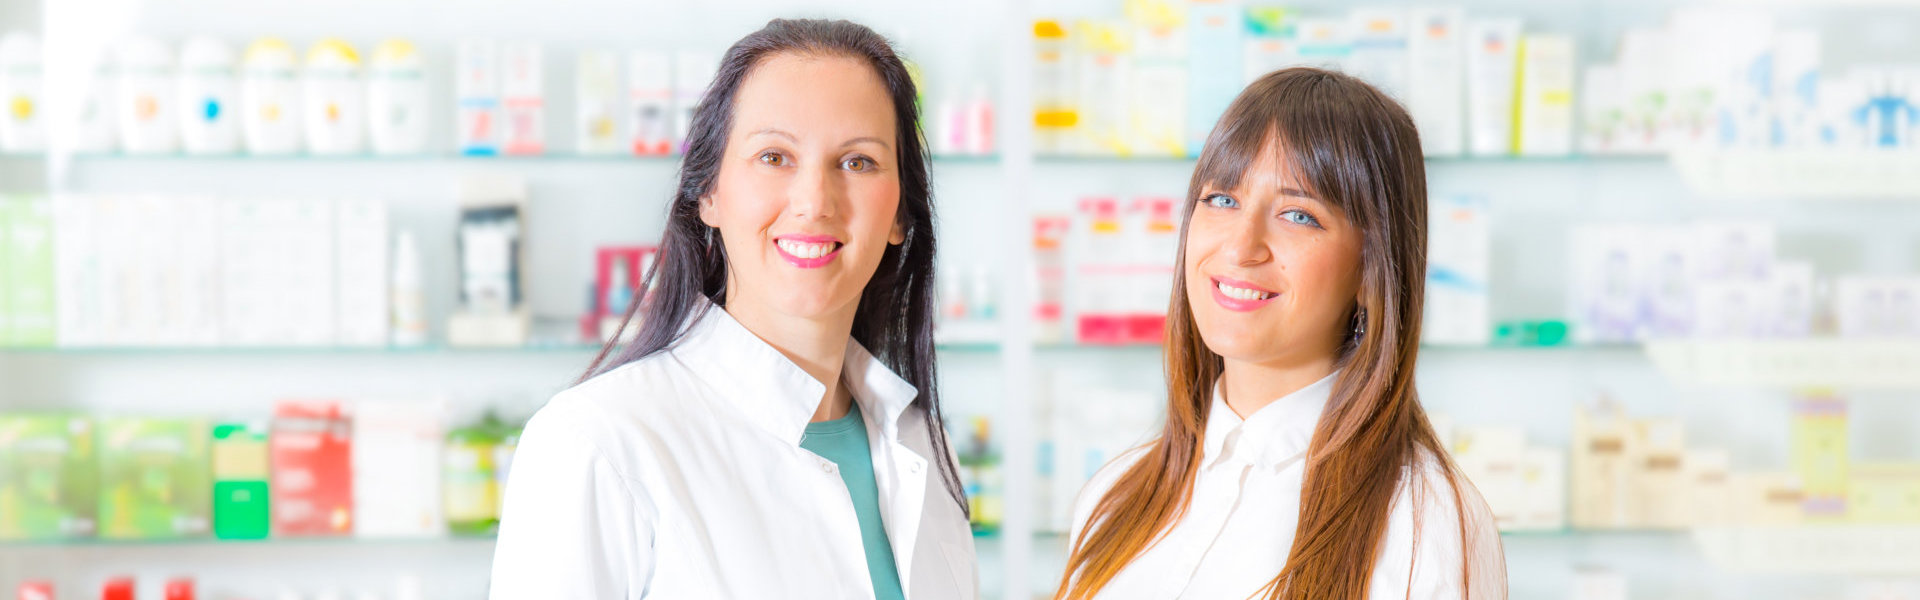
[(709, 214), (899, 234)]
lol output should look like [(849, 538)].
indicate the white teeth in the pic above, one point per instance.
[(1241, 293), (803, 250)]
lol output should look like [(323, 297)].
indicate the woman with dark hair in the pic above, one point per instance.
[(773, 430), (1295, 461)]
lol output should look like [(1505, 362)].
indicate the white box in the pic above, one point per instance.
[(597, 103), (1664, 267), (1545, 117), (523, 98), (1605, 290), (360, 230), (1459, 266), (1603, 108), (1643, 63), (1734, 250), (650, 98), (1380, 54), (396, 469), (1493, 63), (1790, 302), (477, 128), (1436, 82)]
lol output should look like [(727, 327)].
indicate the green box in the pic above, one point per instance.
[(47, 485), (241, 499), (155, 478), (29, 281)]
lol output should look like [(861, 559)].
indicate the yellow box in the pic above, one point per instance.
[(1603, 443), (1709, 487), (1884, 493), (1657, 496), (1768, 499), (1819, 454)]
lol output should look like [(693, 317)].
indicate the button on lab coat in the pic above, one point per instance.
[(681, 476)]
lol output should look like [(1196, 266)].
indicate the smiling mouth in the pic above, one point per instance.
[(1240, 293), (807, 250)]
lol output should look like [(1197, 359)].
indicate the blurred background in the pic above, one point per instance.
[(279, 282)]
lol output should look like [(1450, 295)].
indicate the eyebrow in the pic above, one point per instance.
[(777, 132), (1296, 192)]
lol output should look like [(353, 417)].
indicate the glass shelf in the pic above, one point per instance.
[(276, 542), (555, 157), (1598, 159), (959, 347)]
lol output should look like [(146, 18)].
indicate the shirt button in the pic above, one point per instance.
[(913, 468), (826, 467)]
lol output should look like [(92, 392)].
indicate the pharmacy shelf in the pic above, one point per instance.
[(983, 159), (1597, 159), (170, 543), (1839, 363), (1814, 549), (964, 347), (1822, 174)]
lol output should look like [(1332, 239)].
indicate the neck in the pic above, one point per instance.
[(1252, 386), (817, 346)]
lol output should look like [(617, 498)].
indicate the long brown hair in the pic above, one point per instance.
[(1358, 150)]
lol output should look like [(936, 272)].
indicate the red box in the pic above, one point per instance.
[(179, 589), (312, 451), (117, 588), (637, 261)]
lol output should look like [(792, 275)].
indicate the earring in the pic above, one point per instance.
[(1360, 322)]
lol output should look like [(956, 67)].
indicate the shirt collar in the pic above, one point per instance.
[(770, 390), (1278, 432)]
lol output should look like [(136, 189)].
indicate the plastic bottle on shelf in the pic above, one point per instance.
[(409, 296), (144, 96), (470, 477), (397, 106), (269, 99), (23, 127), (335, 103), (207, 95)]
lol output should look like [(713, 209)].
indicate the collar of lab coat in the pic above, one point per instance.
[(1276, 433), (776, 394)]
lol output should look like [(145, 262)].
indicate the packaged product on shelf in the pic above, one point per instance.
[(398, 110), (1216, 48), (208, 92), (242, 505), (28, 295), (1743, 100), (1490, 457), (1157, 99), (492, 308), (1436, 79), (1326, 43), (269, 98), (596, 96), (1272, 43), (1544, 119), (1789, 302), (396, 467), (1097, 274), (1706, 479), (1093, 425), (1602, 111), (335, 102), (1819, 456), (1050, 277), (617, 273), (1601, 465), (1877, 307), (1885, 109), (1493, 63), (1459, 265), (94, 133), (1380, 54), (1599, 583), (1656, 495), (1796, 89), (1605, 293), (650, 103), (523, 97), (1775, 498), (980, 470), (1056, 109), (1643, 67), (47, 477), (1104, 67), (312, 454), (1152, 234), (36, 589), (144, 96), (977, 120), (477, 126), (155, 479), (23, 126), (275, 266), (469, 478), (1883, 492), (1665, 264), (692, 73), (360, 240), (409, 300)]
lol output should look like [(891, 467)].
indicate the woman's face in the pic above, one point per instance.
[(809, 187), (1272, 272)]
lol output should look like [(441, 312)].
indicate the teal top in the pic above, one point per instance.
[(844, 441)]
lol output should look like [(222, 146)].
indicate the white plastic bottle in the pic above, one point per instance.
[(409, 297), (597, 100), (334, 99), (477, 95), (207, 95), (397, 107), (23, 125), (269, 98), (143, 100)]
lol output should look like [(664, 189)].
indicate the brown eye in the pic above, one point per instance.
[(775, 159), (857, 164)]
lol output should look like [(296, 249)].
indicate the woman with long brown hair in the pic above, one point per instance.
[(1295, 461)]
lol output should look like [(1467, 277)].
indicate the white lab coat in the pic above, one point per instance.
[(1239, 526), (681, 476)]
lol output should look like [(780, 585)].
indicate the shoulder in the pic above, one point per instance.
[(1442, 540), (598, 416), (1098, 486)]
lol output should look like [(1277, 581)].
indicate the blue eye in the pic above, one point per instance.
[(1220, 201), (1298, 217)]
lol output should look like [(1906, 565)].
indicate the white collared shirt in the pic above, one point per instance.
[(1239, 527), (681, 476)]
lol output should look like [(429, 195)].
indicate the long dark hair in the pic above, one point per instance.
[(1358, 150), (895, 316)]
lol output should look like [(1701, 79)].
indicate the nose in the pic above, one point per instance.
[(814, 194), (1246, 241)]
